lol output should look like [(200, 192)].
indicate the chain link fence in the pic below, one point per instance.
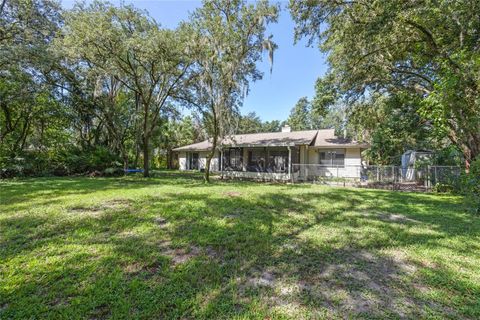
[(380, 177)]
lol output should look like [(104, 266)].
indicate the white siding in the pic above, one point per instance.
[(353, 160), (202, 160), (182, 160), (352, 156)]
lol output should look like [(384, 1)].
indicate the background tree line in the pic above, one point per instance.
[(100, 86), (408, 71)]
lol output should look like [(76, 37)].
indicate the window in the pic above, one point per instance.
[(332, 157)]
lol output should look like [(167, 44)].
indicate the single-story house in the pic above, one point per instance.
[(281, 155)]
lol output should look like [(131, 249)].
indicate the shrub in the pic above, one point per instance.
[(471, 186), (72, 160), (443, 187), (113, 171)]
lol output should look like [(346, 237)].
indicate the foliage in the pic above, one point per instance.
[(471, 186), (392, 125), (322, 113), (299, 118), (105, 77), (126, 46), (227, 41), (426, 49), (249, 123), (175, 133)]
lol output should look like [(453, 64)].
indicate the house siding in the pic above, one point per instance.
[(202, 160), (308, 155), (182, 161)]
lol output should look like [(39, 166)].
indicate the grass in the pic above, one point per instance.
[(173, 247)]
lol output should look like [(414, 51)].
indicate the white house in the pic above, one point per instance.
[(277, 155)]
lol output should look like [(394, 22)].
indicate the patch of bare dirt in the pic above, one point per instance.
[(180, 256), (395, 217), (135, 267), (264, 279), (232, 194), (183, 255), (161, 222), (111, 205)]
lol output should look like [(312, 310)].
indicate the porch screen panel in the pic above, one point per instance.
[(256, 159), (233, 159), (278, 161)]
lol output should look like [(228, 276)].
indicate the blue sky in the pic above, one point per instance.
[(295, 67)]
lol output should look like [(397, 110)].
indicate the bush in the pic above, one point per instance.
[(471, 186), (443, 187), (72, 160), (79, 161), (113, 171), (466, 184)]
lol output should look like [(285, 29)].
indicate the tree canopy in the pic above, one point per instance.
[(227, 41), (426, 49)]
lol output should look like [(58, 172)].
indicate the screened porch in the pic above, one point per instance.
[(259, 159)]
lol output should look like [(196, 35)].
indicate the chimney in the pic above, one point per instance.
[(286, 128)]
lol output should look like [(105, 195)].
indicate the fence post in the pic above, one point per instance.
[(337, 176), (393, 177)]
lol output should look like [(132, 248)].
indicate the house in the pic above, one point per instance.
[(281, 155)]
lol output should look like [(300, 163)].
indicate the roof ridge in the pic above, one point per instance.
[(314, 139), (244, 134)]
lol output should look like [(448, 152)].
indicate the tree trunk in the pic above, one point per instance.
[(169, 159), (125, 160), (214, 146), (137, 155), (471, 152), (146, 136), (207, 166), (210, 156), (146, 159)]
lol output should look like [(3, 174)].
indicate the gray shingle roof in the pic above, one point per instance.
[(319, 138), (327, 138)]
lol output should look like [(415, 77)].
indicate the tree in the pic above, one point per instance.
[(391, 125), (249, 123), (26, 97), (300, 118), (129, 46), (425, 48), (272, 126), (228, 38), (176, 132)]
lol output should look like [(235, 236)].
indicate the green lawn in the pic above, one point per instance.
[(173, 247)]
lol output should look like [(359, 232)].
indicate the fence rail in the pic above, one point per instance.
[(383, 177)]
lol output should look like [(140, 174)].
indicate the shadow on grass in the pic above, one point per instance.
[(208, 255)]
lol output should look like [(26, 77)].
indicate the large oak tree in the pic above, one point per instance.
[(129, 46), (227, 40), (427, 48)]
